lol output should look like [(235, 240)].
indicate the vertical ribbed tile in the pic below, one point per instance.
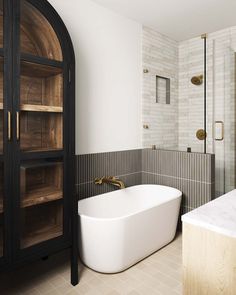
[(125, 164), (192, 173)]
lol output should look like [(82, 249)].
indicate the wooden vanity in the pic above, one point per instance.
[(209, 248)]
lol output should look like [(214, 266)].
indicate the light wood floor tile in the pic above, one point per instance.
[(159, 274)]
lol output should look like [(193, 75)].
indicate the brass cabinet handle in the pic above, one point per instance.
[(9, 125), (17, 125)]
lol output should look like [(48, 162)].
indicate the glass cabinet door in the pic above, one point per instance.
[(40, 129)]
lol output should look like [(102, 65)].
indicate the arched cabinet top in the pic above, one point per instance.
[(43, 33)]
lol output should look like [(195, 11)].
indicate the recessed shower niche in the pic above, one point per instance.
[(162, 90)]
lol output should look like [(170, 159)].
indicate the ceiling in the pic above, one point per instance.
[(178, 19)]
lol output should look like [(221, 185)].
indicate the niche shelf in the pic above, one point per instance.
[(41, 182)]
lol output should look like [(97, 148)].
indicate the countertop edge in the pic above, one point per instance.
[(222, 231)]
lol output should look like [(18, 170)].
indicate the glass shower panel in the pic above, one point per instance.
[(221, 115)]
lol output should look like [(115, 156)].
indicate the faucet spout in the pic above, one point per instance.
[(110, 180)]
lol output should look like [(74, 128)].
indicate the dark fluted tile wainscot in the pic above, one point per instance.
[(126, 165), (192, 173)]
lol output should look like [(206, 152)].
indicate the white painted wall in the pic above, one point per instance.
[(108, 76)]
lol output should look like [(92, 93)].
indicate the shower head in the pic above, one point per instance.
[(197, 80)]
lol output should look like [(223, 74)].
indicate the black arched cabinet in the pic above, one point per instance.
[(38, 207)]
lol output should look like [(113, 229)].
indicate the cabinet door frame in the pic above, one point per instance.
[(7, 157)]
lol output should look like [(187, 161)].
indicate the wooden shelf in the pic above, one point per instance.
[(1, 106), (40, 108), (37, 164), (39, 70), (45, 233), (41, 60), (41, 194), (40, 150)]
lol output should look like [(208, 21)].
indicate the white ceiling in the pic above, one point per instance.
[(178, 19)]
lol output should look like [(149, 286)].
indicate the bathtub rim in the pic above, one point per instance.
[(179, 196)]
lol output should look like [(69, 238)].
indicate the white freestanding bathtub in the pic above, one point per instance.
[(120, 228)]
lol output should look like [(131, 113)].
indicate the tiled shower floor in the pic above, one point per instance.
[(158, 274)]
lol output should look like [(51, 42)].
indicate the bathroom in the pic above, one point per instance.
[(130, 178)]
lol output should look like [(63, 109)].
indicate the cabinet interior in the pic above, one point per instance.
[(41, 88), (41, 103), (41, 131), (40, 182), (37, 37), (41, 223)]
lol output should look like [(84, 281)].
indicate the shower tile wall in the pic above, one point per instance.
[(160, 57), (174, 126), (124, 164), (191, 173)]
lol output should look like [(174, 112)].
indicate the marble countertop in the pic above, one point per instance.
[(218, 215)]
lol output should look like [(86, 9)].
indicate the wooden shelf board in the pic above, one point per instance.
[(38, 164), (41, 60), (38, 70), (40, 108), (45, 233), (1, 105), (41, 194), (41, 150), (41, 155)]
